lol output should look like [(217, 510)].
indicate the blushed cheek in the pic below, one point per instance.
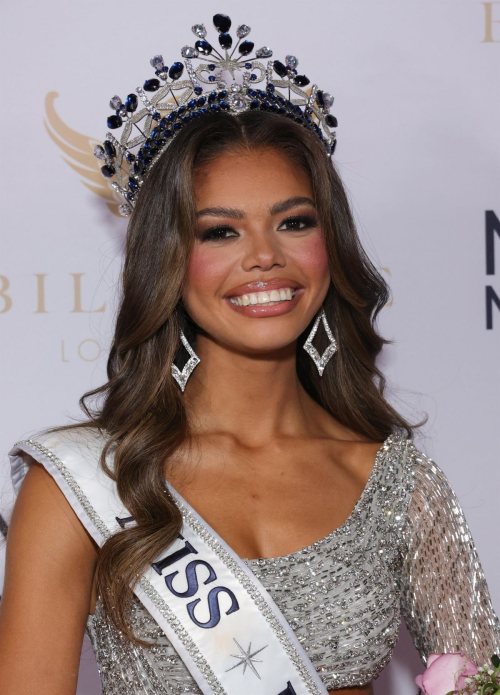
[(205, 270), (311, 256)]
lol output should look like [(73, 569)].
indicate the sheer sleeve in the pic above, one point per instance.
[(445, 600)]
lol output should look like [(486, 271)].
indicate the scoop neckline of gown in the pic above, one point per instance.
[(263, 560)]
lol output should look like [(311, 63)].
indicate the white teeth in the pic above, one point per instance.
[(271, 297)]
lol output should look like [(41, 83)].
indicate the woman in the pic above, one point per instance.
[(179, 525)]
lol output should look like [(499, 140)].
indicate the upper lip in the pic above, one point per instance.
[(263, 286)]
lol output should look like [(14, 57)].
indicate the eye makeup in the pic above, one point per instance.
[(223, 232)]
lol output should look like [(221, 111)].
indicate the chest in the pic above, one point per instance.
[(272, 502)]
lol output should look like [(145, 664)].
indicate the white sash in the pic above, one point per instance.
[(220, 619)]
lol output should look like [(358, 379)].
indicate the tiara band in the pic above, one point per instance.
[(150, 122)]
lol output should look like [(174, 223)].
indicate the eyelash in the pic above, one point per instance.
[(212, 233)]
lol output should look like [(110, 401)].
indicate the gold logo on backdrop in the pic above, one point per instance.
[(489, 21), (78, 153)]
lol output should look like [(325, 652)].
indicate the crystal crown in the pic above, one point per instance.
[(225, 80)]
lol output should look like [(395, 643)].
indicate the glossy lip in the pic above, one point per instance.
[(263, 286), (261, 311)]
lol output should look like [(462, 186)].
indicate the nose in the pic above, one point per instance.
[(263, 252)]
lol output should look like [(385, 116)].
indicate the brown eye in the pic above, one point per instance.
[(218, 234), (299, 223)]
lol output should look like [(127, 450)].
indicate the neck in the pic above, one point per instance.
[(255, 397)]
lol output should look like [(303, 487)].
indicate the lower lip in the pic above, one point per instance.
[(261, 311)]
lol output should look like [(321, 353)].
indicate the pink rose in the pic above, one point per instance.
[(445, 673)]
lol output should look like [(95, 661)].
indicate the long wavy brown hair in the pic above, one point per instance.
[(141, 408)]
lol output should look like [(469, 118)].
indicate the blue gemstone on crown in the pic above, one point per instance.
[(108, 171), (114, 122), (176, 70), (109, 148), (279, 68), (222, 22), (203, 47), (131, 103), (225, 40), (151, 85), (301, 80), (246, 47)]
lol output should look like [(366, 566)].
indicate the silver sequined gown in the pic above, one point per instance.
[(405, 550)]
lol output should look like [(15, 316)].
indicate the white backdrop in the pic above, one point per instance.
[(417, 96)]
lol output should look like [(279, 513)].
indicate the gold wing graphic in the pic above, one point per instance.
[(80, 150)]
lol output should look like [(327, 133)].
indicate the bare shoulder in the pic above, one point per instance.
[(353, 454), (42, 510), (358, 457), (50, 564)]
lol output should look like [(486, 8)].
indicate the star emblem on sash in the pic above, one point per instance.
[(246, 658)]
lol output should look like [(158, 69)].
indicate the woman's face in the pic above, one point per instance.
[(258, 272)]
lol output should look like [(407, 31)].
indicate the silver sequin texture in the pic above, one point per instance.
[(405, 550)]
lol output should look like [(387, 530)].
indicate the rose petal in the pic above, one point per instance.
[(439, 678), (432, 658), (418, 681), (445, 673)]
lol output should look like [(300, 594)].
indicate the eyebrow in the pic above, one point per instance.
[(279, 207)]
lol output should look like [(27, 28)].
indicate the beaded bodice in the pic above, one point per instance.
[(405, 549)]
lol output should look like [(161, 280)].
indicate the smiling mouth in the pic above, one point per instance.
[(270, 298)]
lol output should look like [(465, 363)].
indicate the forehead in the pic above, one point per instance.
[(249, 179)]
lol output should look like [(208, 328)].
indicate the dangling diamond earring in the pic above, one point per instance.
[(182, 377), (320, 360)]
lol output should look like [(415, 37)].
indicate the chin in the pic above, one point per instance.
[(262, 343)]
